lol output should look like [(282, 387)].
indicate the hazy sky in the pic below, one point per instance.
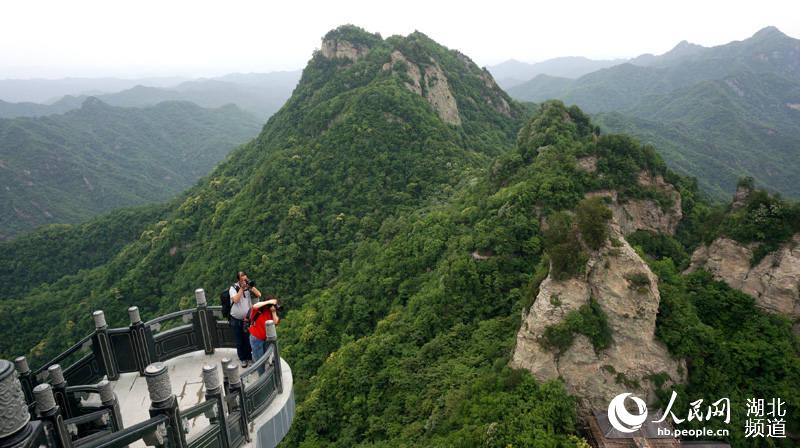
[(124, 38)]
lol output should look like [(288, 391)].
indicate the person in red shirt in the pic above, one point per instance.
[(259, 315)]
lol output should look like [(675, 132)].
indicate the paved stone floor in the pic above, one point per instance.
[(185, 373)]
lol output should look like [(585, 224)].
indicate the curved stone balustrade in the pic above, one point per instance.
[(71, 400)]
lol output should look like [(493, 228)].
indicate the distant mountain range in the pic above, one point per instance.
[(45, 91), (715, 113), (512, 72), (261, 94), (67, 168)]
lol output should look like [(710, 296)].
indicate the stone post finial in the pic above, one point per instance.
[(225, 362), (200, 297), (133, 314), (271, 333), (55, 374), (106, 390), (12, 402), (158, 384), (99, 319), (232, 371), (210, 377), (45, 401), (21, 364)]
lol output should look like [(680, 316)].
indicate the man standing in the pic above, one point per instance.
[(242, 293)]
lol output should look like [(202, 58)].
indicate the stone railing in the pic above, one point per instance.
[(76, 406)]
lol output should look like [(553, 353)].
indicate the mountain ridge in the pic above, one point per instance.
[(675, 101), (65, 168), (408, 245)]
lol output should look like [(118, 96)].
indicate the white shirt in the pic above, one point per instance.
[(240, 310)]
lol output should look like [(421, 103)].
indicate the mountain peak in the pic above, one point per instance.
[(348, 42), (683, 48), (449, 81), (93, 103), (769, 31)]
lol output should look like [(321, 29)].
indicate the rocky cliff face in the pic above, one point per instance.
[(343, 49), (627, 292), (431, 83), (774, 282), (641, 214)]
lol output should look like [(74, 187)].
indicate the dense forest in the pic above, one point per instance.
[(715, 113), (407, 247), (67, 168)]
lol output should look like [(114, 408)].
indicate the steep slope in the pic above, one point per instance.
[(427, 317), (50, 252), (67, 168), (593, 321), (720, 130), (355, 144), (407, 255), (753, 247)]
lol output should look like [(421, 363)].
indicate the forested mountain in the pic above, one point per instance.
[(719, 130), (718, 113), (625, 85), (261, 94), (28, 109), (409, 212), (512, 72), (370, 130), (67, 168)]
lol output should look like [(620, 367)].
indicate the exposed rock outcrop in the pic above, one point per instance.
[(588, 164), (633, 359), (498, 103), (774, 282), (740, 197), (340, 48), (431, 83), (645, 214)]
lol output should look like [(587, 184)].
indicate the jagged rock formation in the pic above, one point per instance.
[(634, 359), (430, 83), (743, 191), (343, 49), (499, 103), (774, 282), (587, 164), (643, 214), (626, 290)]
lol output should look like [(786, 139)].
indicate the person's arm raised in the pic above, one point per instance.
[(238, 296), (265, 302)]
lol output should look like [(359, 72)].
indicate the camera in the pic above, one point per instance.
[(251, 283)]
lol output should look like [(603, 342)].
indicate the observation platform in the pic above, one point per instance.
[(173, 381), (185, 374)]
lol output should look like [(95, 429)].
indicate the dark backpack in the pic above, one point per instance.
[(225, 301)]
